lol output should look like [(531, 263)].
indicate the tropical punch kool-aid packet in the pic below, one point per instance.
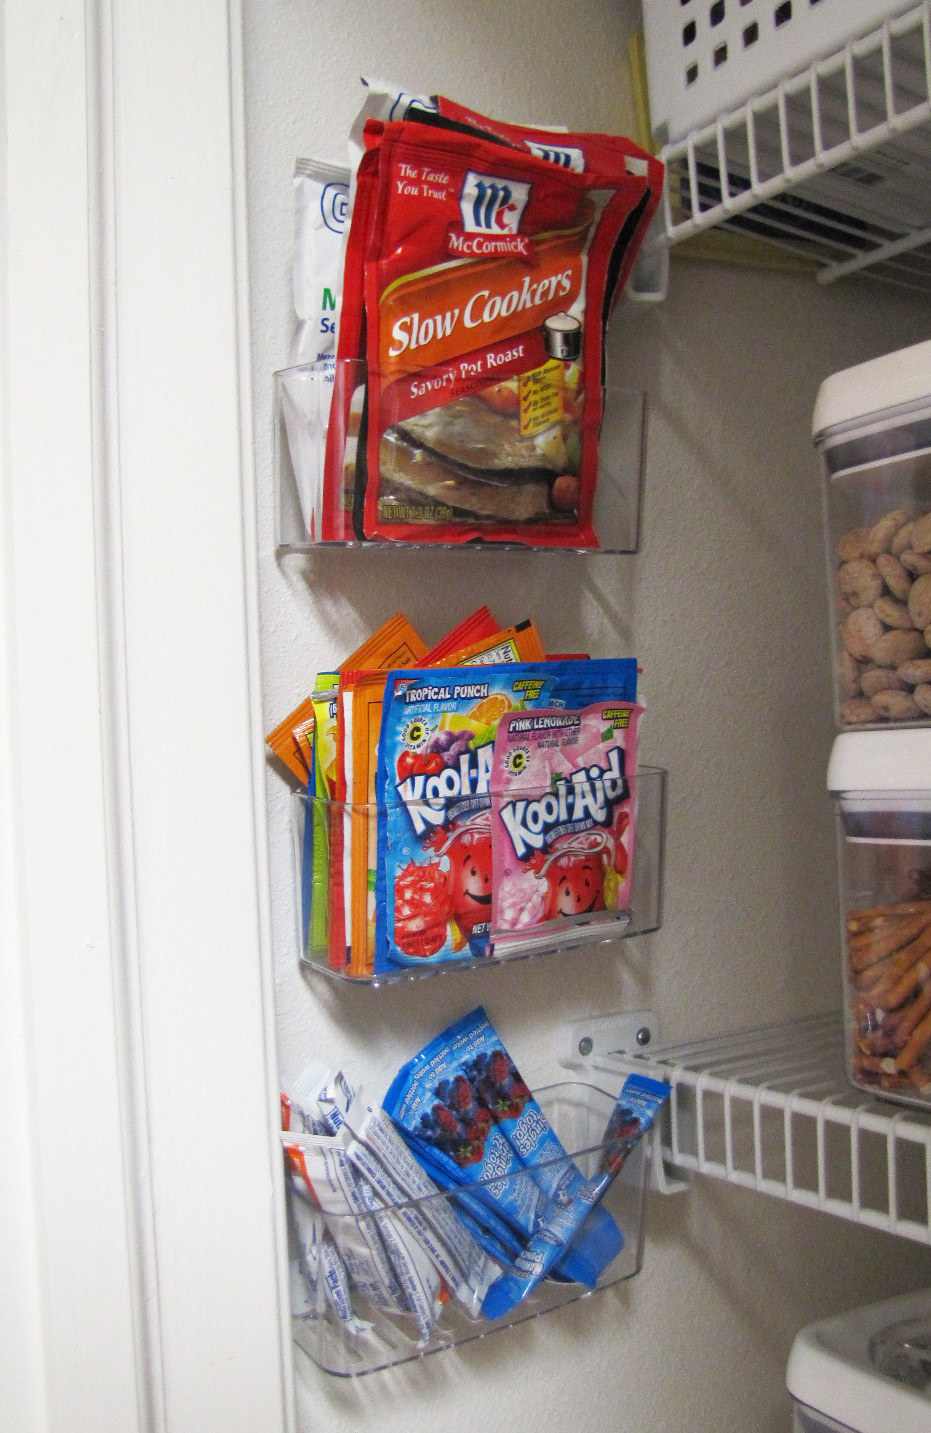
[(562, 823), (434, 883)]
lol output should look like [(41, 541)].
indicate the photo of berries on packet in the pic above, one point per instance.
[(471, 1120), (487, 1089)]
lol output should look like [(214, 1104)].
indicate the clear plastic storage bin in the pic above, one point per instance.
[(535, 502), (578, 1114), (325, 832), (881, 786), (867, 1371), (872, 427)]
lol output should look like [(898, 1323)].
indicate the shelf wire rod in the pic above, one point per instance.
[(795, 227), (728, 1131), (814, 90), (887, 77), (821, 1148), (752, 150), (693, 179), (855, 1179), (754, 1063), (787, 1146), (757, 1142), (892, 1175), (784, 129), (776, 1036), (700, 1121), (723, 176), (892, 250)]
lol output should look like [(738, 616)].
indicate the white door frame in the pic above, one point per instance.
[(140, 1228)]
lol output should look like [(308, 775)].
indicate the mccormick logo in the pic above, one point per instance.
[(564, 155), (334, 202), (491, 209)]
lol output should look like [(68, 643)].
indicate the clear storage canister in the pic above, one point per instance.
[(865, 1371), (872, 428), (880, 782)]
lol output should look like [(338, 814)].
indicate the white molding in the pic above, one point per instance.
[(72, 1298), (141, 1226)]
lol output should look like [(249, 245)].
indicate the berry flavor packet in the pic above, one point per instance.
[(463, 1101), (434, 878), (571, 1204), (562, 822)]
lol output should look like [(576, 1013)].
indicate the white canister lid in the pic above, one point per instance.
[(883, 760), (892, 381), (830, 1370)]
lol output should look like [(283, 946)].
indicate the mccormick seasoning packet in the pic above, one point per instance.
[(488, 274)]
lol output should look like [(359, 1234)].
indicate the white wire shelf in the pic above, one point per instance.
[(770, 1109), (831, 165)]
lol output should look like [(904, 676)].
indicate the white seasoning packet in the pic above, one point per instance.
[(321, 209)]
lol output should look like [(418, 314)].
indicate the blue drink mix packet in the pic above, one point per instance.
[(638, 1105), (434, 877), (463, 1107)]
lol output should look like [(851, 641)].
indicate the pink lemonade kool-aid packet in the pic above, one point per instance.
[(563, 817)]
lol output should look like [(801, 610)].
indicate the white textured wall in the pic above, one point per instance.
[(725, 607)]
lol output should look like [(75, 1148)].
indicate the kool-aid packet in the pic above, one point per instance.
[(434, 878), (562, 820)]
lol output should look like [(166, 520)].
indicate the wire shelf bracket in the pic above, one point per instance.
[(771, 1109)]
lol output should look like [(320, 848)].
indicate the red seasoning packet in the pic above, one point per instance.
[(488, 275)]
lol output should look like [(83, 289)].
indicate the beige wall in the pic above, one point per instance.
[(725, 607)]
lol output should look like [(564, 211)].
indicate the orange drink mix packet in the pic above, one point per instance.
[(513, 644), (283, 744), (396, 642)]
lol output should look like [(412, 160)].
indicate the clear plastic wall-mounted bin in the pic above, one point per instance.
[(536, 500), (578, 1114), (881, 785), (444, 904), (872, 427)]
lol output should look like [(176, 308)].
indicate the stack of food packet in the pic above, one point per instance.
[(473, 800), (456, 1188), (458, 279)]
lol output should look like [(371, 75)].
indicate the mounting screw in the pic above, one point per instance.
[(586, 1045), (643, 1035)]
